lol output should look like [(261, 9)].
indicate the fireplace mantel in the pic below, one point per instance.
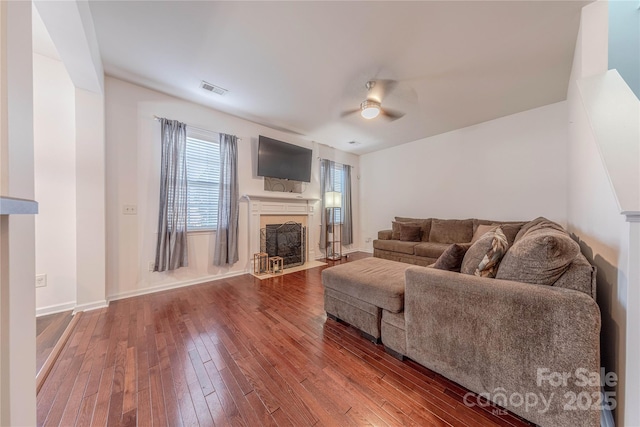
[(283, 196)]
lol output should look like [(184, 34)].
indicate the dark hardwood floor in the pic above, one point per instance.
[(49, 329), (242, 351)]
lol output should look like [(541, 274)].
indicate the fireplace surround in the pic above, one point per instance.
[(269, 210)]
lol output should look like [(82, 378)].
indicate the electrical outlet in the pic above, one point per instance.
[(152, 265), (368, 240), (129, 209), (41, 280)]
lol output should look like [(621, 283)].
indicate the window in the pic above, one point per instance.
[(336, 180), (203, 182)]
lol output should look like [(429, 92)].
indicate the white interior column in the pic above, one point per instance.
[(631, 382), (17, 232)]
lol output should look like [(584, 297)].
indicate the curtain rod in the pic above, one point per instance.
[(156, 118), (320, 158)]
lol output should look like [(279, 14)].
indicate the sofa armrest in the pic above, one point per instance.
[(507, 339), (385, 235)]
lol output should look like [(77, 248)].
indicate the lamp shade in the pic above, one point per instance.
[(332, 199)]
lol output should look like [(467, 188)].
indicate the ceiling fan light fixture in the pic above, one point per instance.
[(370, 109)]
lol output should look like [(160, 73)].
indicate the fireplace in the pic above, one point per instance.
[(286, 240)]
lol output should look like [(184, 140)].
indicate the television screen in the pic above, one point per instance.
[(277, 159)]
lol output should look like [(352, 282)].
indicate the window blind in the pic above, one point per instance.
[(203, 184), (337, 179)]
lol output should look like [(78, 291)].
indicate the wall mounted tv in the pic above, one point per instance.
[(277, 159)]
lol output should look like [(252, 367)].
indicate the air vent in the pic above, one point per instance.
[(213, 88)]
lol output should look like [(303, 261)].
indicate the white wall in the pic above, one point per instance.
[(511, 168), (594, 212), (90, 200), (133, 159), (55, 184)]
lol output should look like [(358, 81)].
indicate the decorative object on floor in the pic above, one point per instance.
[(332, 201), (308, 265), (275, 265), (260, 263)]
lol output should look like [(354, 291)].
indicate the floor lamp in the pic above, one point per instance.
[(333, 201)]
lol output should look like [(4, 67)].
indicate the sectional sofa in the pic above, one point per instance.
[(526, 339)]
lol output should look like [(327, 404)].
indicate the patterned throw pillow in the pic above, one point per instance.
[(488, 267)]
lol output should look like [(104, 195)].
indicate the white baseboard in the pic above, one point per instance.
[(91, 306), (57, 308), (174, 285)]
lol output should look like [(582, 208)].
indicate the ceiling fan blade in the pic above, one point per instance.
[(391, 114), (349, 112)]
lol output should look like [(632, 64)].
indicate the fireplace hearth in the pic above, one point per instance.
[(285, 240)]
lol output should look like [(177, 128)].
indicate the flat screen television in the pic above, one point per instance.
[(277, 159)]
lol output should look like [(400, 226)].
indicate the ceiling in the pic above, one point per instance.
[(296, 66)]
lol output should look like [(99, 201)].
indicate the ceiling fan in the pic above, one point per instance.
[(371, 107)]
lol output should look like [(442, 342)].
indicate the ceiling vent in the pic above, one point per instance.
[(213, 88)]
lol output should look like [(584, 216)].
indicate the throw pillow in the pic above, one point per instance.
[(536, 224), (409, 232), (488, 267), (539, 257), (395, 228), (482, 230), (424, 223), (451, 258), (476, 253)]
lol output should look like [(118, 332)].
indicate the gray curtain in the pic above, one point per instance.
[(226, 249), (347, 224), (171, 248), (326, 184)]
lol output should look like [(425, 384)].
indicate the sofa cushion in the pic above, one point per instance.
[(451, 258), (476, 253), (539, 257), (431, 249), (451, 230), (488, 266), (509, 229), (396, 246), (410, 232), (536, 224), (425, 223), (373, 280), (385, 234), (580, 276), (481, 230), (477, 222)]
